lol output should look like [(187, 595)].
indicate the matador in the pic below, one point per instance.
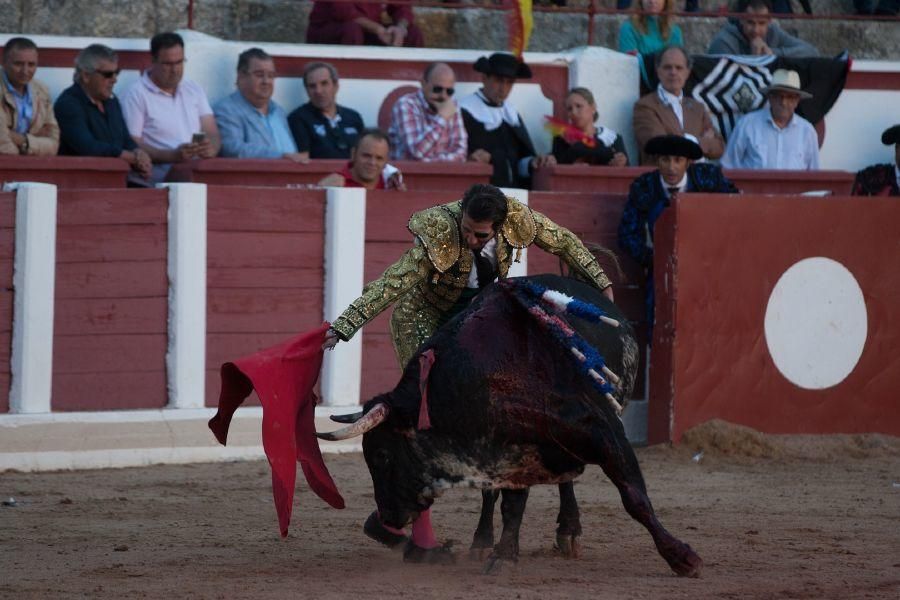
[(459, 248)]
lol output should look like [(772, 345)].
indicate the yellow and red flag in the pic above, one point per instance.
[(521, 22), (568, 132)]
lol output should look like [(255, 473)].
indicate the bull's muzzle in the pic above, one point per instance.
[(368, 421)]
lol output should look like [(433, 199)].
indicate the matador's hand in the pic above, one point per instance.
[(331, 340)]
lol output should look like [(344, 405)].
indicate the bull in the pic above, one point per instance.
[(509, 406)]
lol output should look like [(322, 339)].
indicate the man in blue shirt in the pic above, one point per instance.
[(321, 127), (253, 125), (89, 115)]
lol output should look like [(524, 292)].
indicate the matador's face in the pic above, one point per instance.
[(476, 234)]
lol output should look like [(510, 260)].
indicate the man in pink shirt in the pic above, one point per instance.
[(169, 117), (357, 24)]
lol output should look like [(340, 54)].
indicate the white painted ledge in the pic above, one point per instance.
[(186, 352), (34, 277), (345, 241), (113, 439)]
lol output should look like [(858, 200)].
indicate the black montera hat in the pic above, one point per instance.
[(503, 64), (674, 145), (891, 136)]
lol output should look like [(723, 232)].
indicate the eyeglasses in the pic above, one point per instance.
[(438, 89), (108, 74)]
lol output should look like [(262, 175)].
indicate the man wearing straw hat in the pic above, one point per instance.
[(773, 137)]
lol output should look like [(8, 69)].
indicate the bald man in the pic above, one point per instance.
[(427, 125)]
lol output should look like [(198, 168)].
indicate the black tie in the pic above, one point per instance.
[(673, 191), (484, 268)]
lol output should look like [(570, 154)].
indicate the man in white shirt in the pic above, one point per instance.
[(169, 117), (774, 137)]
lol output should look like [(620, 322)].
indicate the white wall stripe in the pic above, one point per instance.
[(345, 241), (34, 280), (186, 352)]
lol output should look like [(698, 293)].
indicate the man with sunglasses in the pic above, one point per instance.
[(460, 248), (89, 115), (167, 115), (427, 125), (27, 124)]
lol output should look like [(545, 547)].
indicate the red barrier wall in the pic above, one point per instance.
[(65, 171), (594, 218), (109, 339), (265, 250), (718, 260), (7, 254), (387, 237)]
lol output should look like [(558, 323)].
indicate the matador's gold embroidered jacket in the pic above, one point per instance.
[(429, 277)]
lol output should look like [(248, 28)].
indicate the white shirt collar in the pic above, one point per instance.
[(673, 102), (682, 185)]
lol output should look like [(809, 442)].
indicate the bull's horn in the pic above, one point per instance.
[(348, 418), (369, 421)]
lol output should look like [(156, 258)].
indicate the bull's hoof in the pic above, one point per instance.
[(441, 555), (684, 561), (568, 545), (375, 530), (496, 564)]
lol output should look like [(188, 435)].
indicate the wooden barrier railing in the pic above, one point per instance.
[(286, 173), (616, 180), (65, 171)]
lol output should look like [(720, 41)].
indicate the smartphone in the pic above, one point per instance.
[(198, 138)]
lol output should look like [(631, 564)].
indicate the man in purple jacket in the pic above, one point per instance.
[(357, 24)]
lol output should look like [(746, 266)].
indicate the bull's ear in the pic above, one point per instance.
[(348, 418)]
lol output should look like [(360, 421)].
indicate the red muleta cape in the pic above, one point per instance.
[(283, 377)]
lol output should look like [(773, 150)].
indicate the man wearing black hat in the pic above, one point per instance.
[(652, 192), (881, 180), (496, 132)]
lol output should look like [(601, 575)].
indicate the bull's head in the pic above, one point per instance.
[(399, 475)]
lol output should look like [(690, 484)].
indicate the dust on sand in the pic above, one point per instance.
[(772, 517)]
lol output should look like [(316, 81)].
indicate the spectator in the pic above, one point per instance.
[(649, 29), (652, 192), (363, 23), (28, 126), (496, 132), (368, 167), (881, 180), (427, 125), (169, 117), (668, 111), (600, 146), (322, 128), (251, 123), (773, 137), (755, 33), (90, 117)]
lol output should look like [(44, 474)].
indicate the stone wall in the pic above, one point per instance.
[(285, 21)]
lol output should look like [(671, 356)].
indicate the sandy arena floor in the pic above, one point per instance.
[(773, 517)]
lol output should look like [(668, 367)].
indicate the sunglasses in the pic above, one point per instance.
[(109, 74), (438, 89)]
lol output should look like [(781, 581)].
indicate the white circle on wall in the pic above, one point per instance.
[(816, 323)]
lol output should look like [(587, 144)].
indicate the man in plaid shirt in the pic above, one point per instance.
[(427, 125)]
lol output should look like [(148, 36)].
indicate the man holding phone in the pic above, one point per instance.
[(168, 116), (427, 125)]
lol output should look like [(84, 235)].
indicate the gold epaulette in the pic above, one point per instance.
[(438, 230), (519, 229)]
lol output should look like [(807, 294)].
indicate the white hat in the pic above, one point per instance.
[(786, 81)]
